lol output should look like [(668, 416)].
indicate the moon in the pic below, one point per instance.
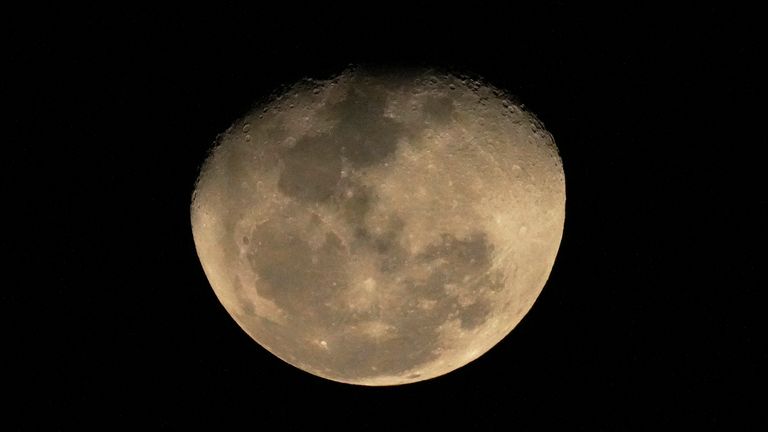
[(382, 227)]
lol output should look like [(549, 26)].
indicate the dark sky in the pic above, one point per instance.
[(651, 315)]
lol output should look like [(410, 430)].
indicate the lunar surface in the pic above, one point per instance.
[(380, 228)]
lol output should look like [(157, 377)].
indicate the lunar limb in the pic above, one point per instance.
[(381, 228)]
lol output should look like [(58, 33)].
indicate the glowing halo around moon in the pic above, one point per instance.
[(381, 228)]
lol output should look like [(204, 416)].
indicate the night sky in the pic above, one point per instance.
[(652, 313)]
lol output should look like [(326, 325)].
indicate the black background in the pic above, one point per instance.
[(652, 313)]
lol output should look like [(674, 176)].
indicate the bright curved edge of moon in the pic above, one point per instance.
[(381, 228)]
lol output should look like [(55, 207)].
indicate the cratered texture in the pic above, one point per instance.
[(381, 228)]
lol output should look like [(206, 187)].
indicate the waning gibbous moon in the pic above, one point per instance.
[(381, 228)]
